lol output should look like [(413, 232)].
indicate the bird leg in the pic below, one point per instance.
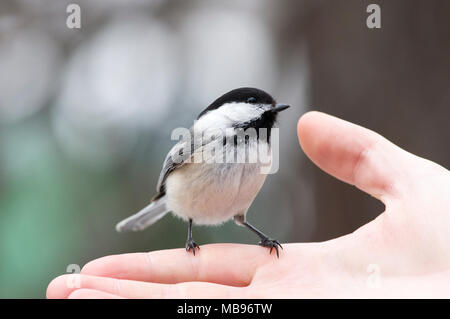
[(190, 243), (265, 240)]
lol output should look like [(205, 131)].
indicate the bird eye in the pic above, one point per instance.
[(251, 100)]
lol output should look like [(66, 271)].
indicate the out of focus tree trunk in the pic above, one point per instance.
[(394, 80)]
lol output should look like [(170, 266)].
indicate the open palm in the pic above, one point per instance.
[(402, 253)]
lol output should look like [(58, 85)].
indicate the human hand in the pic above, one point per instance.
[(404, 252)]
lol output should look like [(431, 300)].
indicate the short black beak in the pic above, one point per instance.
[(279, 107)]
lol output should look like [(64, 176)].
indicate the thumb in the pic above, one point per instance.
[(353, 154)]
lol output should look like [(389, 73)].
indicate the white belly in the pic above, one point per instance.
[(213, 193)]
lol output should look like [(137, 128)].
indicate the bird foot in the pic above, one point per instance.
[(191, 244), (272, 243)]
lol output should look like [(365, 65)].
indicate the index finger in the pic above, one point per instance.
[(227, 264)]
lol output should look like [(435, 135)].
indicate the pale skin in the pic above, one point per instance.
[(404, 252)]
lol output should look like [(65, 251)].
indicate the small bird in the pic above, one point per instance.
[(207, 191)]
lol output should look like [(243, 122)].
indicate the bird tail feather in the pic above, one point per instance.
[(145, 217)]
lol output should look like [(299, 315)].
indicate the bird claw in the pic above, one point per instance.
[(191, 244), (272, 243)]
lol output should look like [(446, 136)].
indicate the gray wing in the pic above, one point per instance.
[(182, 151), (177, 157)]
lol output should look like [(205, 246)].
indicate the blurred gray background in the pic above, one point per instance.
[(86, 114)]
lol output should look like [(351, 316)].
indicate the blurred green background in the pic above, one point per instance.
[(86, 114)]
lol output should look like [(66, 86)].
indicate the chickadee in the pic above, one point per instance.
[(206, 192)]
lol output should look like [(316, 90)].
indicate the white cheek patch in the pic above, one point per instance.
[(229, 114), (212, 120), (241, 112)]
